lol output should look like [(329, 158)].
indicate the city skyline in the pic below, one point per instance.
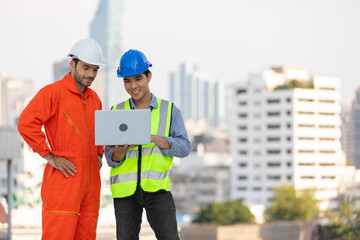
[(228, 39)]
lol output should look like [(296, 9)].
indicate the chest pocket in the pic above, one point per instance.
[(71, 122)]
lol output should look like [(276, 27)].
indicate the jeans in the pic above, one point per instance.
[(160, 212)]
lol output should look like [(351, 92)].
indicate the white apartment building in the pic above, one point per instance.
[(285, 136)]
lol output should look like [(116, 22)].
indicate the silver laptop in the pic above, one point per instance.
[(120, 127)]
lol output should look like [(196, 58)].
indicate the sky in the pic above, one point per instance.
[(226, 38)]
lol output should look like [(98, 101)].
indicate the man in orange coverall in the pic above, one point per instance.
[(70, 190)]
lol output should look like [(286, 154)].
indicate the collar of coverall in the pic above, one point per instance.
[(71, 86)]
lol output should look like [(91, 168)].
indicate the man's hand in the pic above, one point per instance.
[(64, 165), (119, 151), (160, 142)]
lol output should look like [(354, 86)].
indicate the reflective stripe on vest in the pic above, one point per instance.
[(155, 166)]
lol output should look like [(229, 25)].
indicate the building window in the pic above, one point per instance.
[(327, 88), (242, 177), (306, 113), (288, 100), (242, 127), (328, 177), (257, 103), (326, 139), (288, 138), (273, 139), (327, 151), (242, 188), (288, 113), (240, 91), (289, 164), (273, 177), (327, 113), (242, 115), (243, 140), (327, 164), (273, 100), (242, 103), (306, 100), (289, 177), (306, 151), (273, 151), (326, 101), (273, 126), (256, 189), (306, 138), (288, 125), (307, 177), (273, 114), (306, 125), (307, 164), (288, 151), (326, 126), (273, 164), (243, 165), (243, 152), (257, 115)]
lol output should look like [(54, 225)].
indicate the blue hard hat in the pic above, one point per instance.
[(133, 62)]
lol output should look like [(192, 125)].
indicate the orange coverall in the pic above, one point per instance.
[(70, 205)]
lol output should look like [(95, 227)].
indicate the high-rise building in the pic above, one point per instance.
[(14, 92), (198, 95), (61, 68), (106, 30), (285, 129), (352, 132)]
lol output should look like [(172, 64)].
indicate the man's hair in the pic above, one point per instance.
[(76, 60), (147, 72)]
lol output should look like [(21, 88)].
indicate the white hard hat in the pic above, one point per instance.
[(88, 51)]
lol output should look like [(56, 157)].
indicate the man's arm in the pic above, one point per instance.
[(41, 108), (115, 154)]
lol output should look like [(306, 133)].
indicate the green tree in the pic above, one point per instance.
[(345, 223), (294, 83), (227, 213), (292, 205)]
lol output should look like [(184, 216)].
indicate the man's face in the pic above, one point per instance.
[(138, 86), (83, 73)]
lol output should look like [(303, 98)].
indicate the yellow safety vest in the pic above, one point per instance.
[(155, 166)]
